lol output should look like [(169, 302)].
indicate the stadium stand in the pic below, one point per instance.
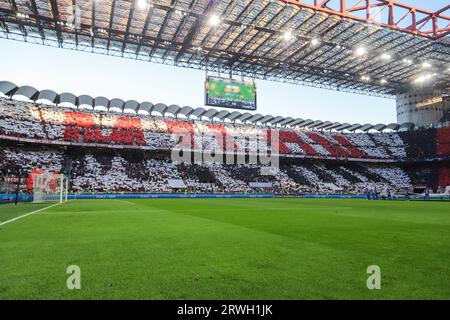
[(39, 122), (443, 141), (109, 152), (118, 171)]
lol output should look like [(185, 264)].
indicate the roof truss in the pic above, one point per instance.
[(250, 38)]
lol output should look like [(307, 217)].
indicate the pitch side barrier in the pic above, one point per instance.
[(164, 195), (362, 196), (10, 198)]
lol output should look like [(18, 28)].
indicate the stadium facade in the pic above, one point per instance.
[(423, 107)]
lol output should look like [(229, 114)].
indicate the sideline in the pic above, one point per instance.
[(28, 214), (125, 201)]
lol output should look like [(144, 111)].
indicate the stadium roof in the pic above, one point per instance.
[(11, 90), (374, 47)]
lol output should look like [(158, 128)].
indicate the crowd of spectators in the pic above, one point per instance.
[(113, 171), (104, 170), (47, 160), (19, 119), (66, 125)]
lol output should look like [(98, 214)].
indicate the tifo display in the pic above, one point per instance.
[(47, 124), (111, 152)]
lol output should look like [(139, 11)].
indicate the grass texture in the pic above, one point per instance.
[(227, 249)]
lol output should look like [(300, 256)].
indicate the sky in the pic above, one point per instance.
[(113, 77)]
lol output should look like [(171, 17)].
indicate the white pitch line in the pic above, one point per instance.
[(126, 201), (27, 214)]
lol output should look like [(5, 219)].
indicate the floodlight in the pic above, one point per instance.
[(142, 4), (315, 41), (22, 16), (361, 51), (214, 20), (287, 35), (424, 78), (386, 56), (407, 61)]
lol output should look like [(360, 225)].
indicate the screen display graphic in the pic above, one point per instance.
[(230, 93)]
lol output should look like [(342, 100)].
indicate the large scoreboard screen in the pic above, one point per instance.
[(230, 93)]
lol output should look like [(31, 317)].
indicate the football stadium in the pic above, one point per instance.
[(106, 197)]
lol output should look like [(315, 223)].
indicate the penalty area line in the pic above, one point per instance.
[(28, 214)]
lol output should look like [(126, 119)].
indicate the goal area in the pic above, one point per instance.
[(50, 187)]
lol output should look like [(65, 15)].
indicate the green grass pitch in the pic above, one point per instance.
[(227, 249)]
